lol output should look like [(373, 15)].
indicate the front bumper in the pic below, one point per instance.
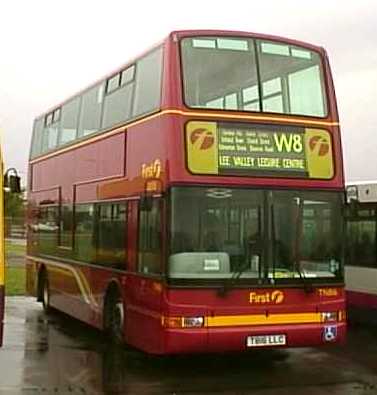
[(233, 339)]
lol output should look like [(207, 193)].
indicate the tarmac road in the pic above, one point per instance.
[(57, 355)]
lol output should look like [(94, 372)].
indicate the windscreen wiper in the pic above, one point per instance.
[(230, 282), (308, 286)]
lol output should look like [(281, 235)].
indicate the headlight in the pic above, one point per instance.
[(193, 322), (329, 316), (183, 322)]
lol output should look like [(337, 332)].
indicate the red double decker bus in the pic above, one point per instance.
[(191, 200)]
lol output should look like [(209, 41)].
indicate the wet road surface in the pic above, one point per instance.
[(57, 355)]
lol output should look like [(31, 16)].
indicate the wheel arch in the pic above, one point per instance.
[(113, 287)]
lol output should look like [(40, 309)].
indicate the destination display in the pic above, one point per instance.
[(258, 150), (255, 150)]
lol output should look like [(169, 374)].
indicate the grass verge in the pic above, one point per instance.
[(15, 278), (15, 273), (12, 249)]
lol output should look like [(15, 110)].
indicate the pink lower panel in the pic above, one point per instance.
[(361, 300)]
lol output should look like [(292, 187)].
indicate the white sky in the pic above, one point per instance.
[(51, 49)]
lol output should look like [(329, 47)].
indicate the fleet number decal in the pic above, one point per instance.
[(328, 292)]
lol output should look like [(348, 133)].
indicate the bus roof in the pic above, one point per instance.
[(187, 33)]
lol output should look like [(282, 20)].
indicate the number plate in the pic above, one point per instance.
[(266, 340)]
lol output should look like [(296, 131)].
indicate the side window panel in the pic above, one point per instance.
[(36, 144), (150, 239), (111, 234), (66, 226), (69, 120), (90, 115), (99, 233), (50, 136), (46, 230), (148, 83), (132, 92), (84, 233), (117, 106)]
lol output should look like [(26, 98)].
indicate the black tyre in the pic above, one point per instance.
[(114, 317), (45, 293)]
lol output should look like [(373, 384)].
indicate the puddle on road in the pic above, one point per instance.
[(63, 356)]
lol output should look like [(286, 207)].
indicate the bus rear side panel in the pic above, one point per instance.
[(361, 253)]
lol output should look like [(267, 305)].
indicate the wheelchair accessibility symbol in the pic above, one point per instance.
[(329, 333)]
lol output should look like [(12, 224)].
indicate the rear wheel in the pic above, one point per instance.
[(114, 317), (45, 293)]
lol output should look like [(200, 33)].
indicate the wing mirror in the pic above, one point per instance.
[(12, 181)]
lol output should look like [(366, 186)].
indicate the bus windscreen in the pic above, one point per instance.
[(267, 234), (243, 74)]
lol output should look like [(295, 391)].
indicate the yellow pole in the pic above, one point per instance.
[(2, 252), (2, 248)]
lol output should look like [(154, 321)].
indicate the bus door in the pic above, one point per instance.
[(146, 288)]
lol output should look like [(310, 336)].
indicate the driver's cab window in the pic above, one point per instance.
[(150, 238)]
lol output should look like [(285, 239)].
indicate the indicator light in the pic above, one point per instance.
[(342, 315), (329, 316)]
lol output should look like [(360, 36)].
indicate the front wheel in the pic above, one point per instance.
[(114, 317)]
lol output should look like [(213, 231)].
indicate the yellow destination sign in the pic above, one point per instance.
[(258, 150)]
